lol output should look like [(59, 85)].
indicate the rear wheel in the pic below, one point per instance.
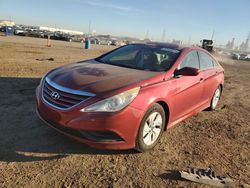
[(215, 99), (151, 128)]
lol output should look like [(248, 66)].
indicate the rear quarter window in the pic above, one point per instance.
[(206, 61), (215, 63)]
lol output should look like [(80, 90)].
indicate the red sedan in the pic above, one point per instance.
[(126, 98)]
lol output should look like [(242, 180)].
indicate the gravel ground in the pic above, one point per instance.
[(33, 155)]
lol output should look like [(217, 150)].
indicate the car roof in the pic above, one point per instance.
[(168, 45)]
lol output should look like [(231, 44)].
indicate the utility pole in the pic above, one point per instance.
[(247, 42), (146, 37), (163, 35), (89, 27), (212, 35), (189, 39)]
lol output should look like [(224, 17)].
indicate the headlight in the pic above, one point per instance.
[(114, 103)]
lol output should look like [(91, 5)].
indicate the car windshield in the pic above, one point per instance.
[(143, 57)]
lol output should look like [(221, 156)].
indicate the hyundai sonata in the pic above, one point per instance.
[(128, 97)]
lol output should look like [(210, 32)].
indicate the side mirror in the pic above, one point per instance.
[(187, 71)]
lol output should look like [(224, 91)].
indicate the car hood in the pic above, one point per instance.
[(94, 77)]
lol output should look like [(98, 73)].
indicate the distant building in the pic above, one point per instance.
[(61, 30), (230, 44), (242, 46), (245, 45), (6, 23)]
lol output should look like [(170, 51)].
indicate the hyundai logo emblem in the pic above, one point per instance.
[(55, 95)]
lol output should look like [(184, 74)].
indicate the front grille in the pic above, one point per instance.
[(66, 98)]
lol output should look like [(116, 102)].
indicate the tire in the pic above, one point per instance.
[(215, 99), (150, 131)]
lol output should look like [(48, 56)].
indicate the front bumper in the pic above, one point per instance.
[(97, 129)]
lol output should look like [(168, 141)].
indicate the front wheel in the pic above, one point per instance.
[(151, 128)]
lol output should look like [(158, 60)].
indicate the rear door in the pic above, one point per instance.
[(210, 73), (189, 89)]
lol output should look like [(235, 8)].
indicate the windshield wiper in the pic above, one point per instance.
[(121, 65), (100, 60)]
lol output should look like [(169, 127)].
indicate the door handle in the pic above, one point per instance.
[(201, 79)]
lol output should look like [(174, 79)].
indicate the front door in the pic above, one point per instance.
[(189, 89)]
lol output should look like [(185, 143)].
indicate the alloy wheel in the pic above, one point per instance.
[(152, 128)]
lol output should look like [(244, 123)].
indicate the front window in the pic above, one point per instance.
[(143, 57), (191, 60)]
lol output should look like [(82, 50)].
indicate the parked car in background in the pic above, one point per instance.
[(93, 40), (114, 42), (118, 43), (35, 33), (104, 41), (20, 32), (236, 56), (76, 38), (245, 57), (128, 97), (60, 36), (2, 28)]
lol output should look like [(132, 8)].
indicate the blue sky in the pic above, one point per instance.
[(181, 19)]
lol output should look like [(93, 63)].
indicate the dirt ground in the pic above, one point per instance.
[(33, 155)]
